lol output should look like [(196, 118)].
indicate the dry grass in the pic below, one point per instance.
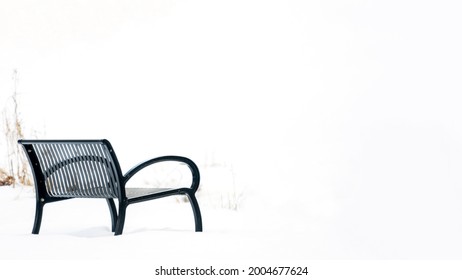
[(5, 179), (13, 130)]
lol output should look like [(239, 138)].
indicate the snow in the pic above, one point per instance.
[(74, 228), (334, 127)]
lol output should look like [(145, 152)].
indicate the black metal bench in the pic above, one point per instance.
[(65, 169)]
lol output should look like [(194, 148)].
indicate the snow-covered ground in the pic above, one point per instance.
[(76, 234), (79, 229), (333, 126)]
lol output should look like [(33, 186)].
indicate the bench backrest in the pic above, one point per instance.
[(74, 168)]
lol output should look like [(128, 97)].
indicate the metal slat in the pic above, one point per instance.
[(56, 172), (74, 180), (110, 170), (84, 188), (73, 177), (77, 164), (93, 189), (63, 168), (99, 171), (60, 171), (93, 171), (82, 163)]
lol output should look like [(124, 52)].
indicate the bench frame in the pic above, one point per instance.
[(96, 165)]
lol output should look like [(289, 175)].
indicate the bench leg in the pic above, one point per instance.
[(121, 218), (113, 212), (196, 211), (38, 217)]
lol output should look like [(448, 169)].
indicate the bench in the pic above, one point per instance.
[(65, 169)]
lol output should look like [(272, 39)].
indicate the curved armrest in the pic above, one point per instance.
[(192, 166)]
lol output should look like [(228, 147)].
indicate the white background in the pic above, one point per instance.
[(340, 120)]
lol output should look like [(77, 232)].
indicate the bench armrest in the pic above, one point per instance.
[(192, 166)]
